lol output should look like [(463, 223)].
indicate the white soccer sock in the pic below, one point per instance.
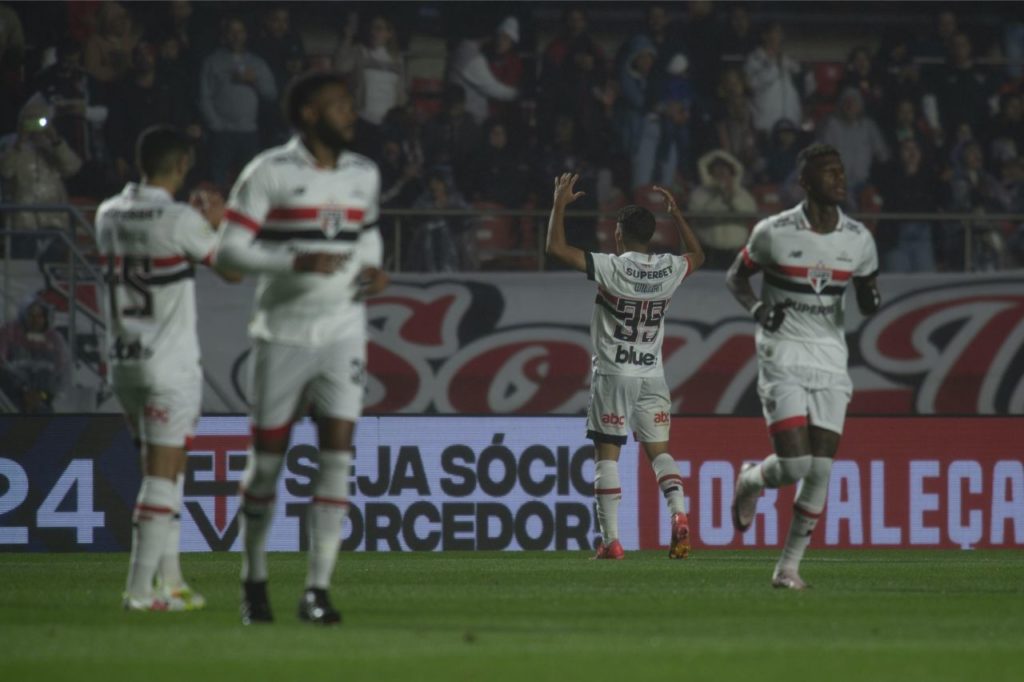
[(327, 512), (259, 492), (775, 471), (170, 562), (666, 471), (807, 509), (151, 521), (607, 493)]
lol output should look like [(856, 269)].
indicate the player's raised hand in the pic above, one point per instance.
[(565, 189), (670, 201), (210, 203), (318, 262)]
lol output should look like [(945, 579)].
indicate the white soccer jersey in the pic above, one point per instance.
[(287, 202), (150, 244), (811, 270), (633, 293)]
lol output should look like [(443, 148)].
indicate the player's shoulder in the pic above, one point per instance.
[(357, 162), (853, 227), (783, 221)]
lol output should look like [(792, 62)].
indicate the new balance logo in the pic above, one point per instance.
[(631, 357), (299, 191), (613, 419), (795, 254)]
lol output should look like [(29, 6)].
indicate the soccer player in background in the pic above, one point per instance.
[(809, 254), (150, 244), (627, 388), (304, 217)]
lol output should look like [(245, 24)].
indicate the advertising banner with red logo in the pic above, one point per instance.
[(433, 483)]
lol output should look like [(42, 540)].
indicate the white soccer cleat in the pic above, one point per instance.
[(788, 578), (152, 603), (744, 499), (192, 600)]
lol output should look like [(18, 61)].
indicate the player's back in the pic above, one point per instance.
[(149, 245), (634, 292)]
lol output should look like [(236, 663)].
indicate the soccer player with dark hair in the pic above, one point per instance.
[(150, 244), (809, 254), (627, 389), (303, 216)]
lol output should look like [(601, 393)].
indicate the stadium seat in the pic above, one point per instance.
[(768, 198), (424, 67), (503, 242)]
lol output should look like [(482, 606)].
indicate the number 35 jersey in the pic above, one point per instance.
[(633, 294), (149, 246)]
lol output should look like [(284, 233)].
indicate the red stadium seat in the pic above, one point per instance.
[(503, 242)]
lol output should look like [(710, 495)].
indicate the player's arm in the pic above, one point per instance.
[(210, 205), (557, 246), (869, 299), (694, 252), (737, 279)]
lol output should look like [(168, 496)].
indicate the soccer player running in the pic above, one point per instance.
[(627, 388), (809, 254), (150, 244), (304, 217)]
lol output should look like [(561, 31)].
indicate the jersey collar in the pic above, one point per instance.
[(144, 191), (295, 145), (806, 224)]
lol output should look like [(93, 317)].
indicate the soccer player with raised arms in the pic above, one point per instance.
[(304, 217), (809, 254), (627, 388), (150, 244)]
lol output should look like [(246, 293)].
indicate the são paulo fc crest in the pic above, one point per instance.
[(331, 221), (819, 276)]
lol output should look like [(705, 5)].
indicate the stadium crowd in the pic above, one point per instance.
[(705, 98)]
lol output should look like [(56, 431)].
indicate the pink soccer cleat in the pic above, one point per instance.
[(613, 550), (680, 547)]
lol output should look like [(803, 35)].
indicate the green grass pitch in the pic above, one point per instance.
[(886, 615)]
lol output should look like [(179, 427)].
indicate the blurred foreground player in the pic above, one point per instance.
[(304, 217), (627, 388), (809, 254), (150, 245)]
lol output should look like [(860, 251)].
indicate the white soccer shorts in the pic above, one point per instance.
[(288, 380), (620, 404), (164, 414), (791, 398)]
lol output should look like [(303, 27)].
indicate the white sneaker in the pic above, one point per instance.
[(788, 578), (192, 600), (152, 603), (744, 499)]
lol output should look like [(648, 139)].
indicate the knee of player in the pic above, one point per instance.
[(793, 469)]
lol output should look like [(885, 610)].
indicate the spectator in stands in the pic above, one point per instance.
[(108, 51), (375, 66), (908, 185), (435, 242), (565, 153), (79, 112), (1007, 131), (701, 42), (770, 73), (973, 189), (720, 191), (906, 124), (33, 170), (937, 46), (451, 138), (469, 69), (901, 76), (141, 101), (658, 33), (858, 139), (401, 175), (961, 90), (862, 74), (505, 63), (783, 148), (280, 46), (232, 84), (738, 39), (735, 121), (498, 174), (635, 118), (34, 367)]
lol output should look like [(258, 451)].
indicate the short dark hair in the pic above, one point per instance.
[(813, 152), (637, 223), (304, 88), (159, 147)]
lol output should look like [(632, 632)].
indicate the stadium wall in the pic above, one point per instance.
[(423, 483)]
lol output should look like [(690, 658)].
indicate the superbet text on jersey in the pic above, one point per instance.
[(287, 202), (150, 244), (634, 291), (811, 271)]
